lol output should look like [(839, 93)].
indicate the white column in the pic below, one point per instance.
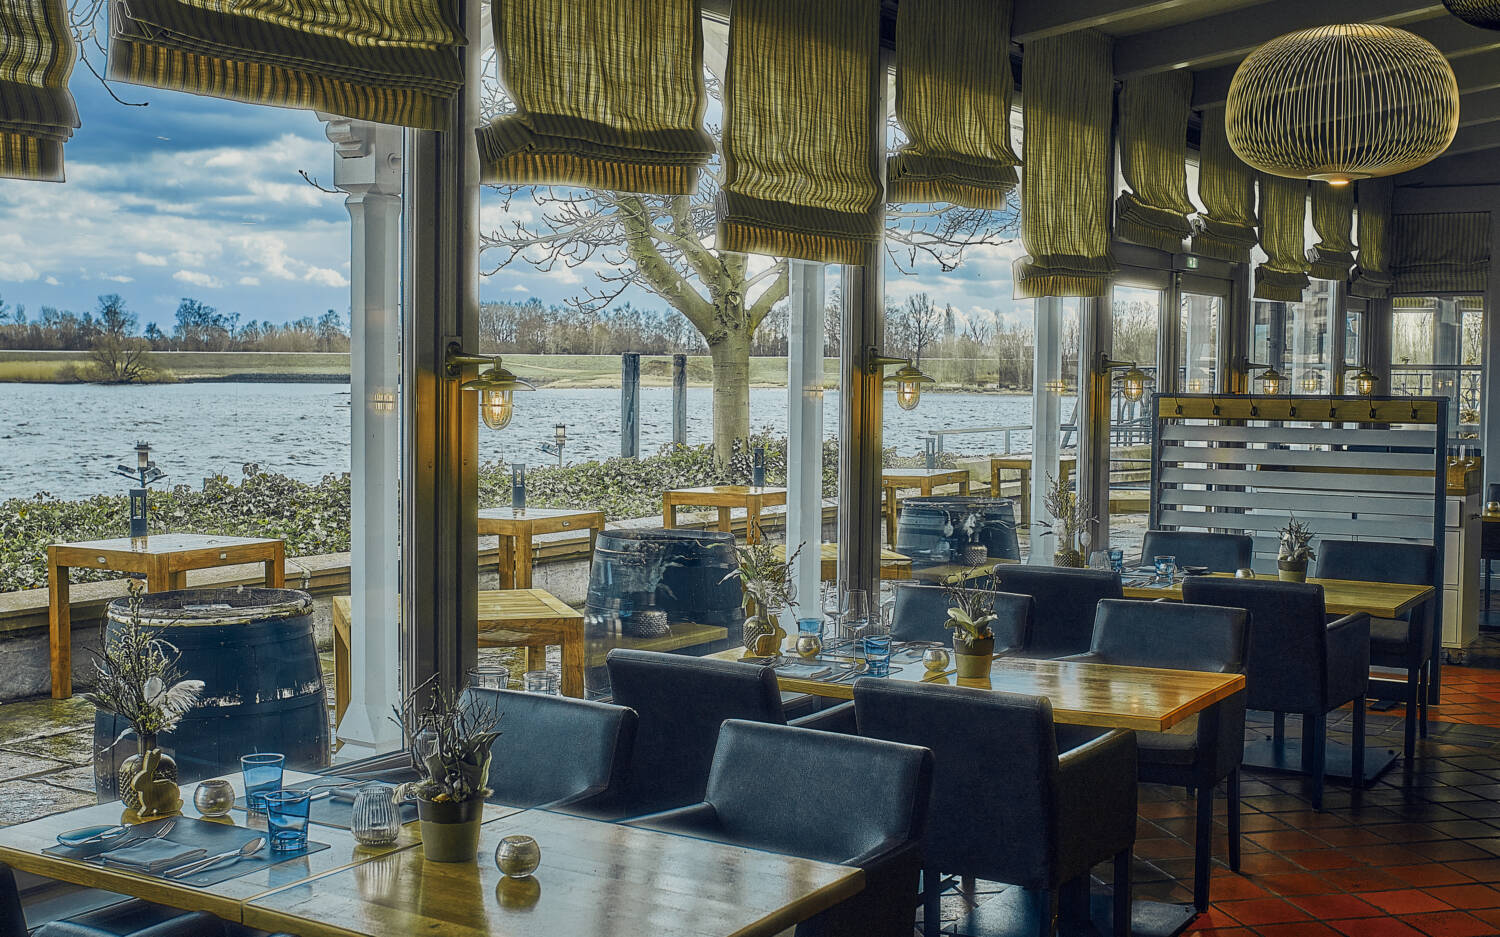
[(1199, 351), (368, 167), (804, 458), (1046, 420)]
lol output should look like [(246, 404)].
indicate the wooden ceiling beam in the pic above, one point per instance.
[(1038, 19)]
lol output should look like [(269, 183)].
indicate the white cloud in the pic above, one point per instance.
[(249, 281), (17, 271), (195, 278), (518, 288), (325, 277), (119, 278), (149, 260), (52, 281)]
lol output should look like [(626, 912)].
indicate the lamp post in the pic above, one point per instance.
[(559, 440), (144, 473)]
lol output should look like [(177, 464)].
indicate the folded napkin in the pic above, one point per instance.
[(152, 856)]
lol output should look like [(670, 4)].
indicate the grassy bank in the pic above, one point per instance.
[(563, 371)]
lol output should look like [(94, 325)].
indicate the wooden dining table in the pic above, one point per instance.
[(1340, 596)]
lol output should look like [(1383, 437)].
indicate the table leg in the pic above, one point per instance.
[(963, 487), (276, 567), (536, 657), (1025, 495), (523, 561), (341, 653), (726, 524), (890, 515), (506, 562), (668, 512), (752, 521), (60, 630), (572, 663)]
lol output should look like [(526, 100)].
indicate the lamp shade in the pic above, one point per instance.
[(1340, 103), (1482, 13)]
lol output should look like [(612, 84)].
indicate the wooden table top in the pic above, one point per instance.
[(506, 520), (501, 607), (891, 562), (1024, 461), (1340, 596), (596, 879), (1086, 694), (901, 475), (162, 544), (730, 495)]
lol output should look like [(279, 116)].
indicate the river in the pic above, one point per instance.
[(64, 439)]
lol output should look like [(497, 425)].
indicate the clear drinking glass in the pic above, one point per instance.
[(489, 678), (1099, 559), (262, 772), (541, 681), (809, 637), (377, 819), (286, 819), (1117, 560), (1166, 567), (877, 648)]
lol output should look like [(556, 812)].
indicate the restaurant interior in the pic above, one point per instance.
[(996, 709)]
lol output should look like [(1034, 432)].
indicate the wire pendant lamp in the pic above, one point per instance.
[(1482, 13), (1340, 103)]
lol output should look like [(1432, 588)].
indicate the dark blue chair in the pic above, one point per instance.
[(822, 796), (1007, 806), (681, 701), (1221, 553), (556, 752), (1405, 643), (129, 917), (1206, 748), (1065, 603), (920, 611), (1298, 662)]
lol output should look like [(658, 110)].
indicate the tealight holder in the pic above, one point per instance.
[(214, 797), (518, 856)]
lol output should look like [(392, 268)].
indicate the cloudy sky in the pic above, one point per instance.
[(196, 197)]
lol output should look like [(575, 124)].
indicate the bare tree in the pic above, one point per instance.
[(119, 356), (923, 325)]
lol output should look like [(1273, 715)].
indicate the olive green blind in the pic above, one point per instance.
[(1372, 275), (388, 61), (1283, 221), (1067, 183), (1333, 219), (802, 175), (36, 110), (1225, 230), (608, 95), (1154, 208), (953, 91), (1440, 252)]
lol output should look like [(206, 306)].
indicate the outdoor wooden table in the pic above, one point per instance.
[(164, 559), (896, 479), (545, 619), (1022, 465), (21, 848), (1340, 596), (893, 565), (725, 498), (596, 879), (1082, 693), (517, 528)]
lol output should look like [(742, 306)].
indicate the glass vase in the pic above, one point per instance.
[(376, 819)]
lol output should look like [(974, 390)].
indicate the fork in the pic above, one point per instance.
[(157, 833)]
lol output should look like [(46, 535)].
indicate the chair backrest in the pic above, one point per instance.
[(922, 609), (1378, 561), (1286, 657), (552, 748), (819, 795), (1221, 553), (994, 794), (1065, 601), (681, 701), (1175, 635)]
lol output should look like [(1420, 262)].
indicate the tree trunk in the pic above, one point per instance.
[(730, 354)]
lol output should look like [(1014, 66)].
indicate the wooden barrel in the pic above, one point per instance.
[(263, 686), (660, 589), (933, 531)]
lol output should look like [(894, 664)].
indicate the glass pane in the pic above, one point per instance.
[(1136, 316), (1295, 340), (1435, 350), (1198, 343)]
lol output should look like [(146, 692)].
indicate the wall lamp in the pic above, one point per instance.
[(1272, 381), (1364, 381), (908, 378), (495, 385), (1312, 382), (1132, 382)]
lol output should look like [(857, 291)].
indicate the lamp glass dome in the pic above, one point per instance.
[(1272, 382), (1312, 382), (1340, 103), (496, 407), (909, 380), (1133, 384), (1365, 381)]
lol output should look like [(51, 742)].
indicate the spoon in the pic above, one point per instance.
[(234, 855)]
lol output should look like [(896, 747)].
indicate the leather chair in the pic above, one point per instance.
[(1065, 602), (556, 752), (1406, 643), (130, 917), (681, 701), (921, 610), (1007, 806), (1221, 553), (822, 796), (1206, 748), (1297, 661)]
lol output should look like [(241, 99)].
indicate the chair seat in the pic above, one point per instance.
[(1176, 746), (1387, 636)]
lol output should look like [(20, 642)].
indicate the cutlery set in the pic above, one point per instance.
[(119, 837)]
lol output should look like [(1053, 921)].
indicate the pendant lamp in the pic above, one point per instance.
[(1340, 103), (1482, 13)]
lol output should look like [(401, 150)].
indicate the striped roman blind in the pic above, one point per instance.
[(953, 89), (36, 110), (1068, 182), (1283, 218), (1226, 186), (1372, 276), (1153, 158), (1440, 253), (609, 94), (1333, 219), (387, 61)]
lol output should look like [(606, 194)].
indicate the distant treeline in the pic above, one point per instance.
[(196, 327)]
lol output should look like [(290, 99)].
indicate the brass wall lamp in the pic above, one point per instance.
[(908, 378), (495, 384), (1132, 381)]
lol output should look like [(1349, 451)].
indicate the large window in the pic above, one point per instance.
[(1436, 344)]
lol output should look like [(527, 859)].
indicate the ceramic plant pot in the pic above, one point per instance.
[(1068, 558), (450, 831), (973, 658), (1292, 570)]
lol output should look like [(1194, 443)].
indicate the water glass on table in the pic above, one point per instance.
[(286, 819), (1166, 567), (1117, 560), (376, 817), (262, 772), (489, 678), (541, 681), (809, 637), (877, 654)]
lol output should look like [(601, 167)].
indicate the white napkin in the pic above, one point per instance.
[(152, 856)]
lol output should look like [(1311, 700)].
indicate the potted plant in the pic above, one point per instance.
[(647, 620), (451, 744), (974, 552), (1070, 516), (969, 617), (1293, 551), (767, 579), (136, 678)]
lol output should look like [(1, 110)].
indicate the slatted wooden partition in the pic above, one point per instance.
[(1351, 468)]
